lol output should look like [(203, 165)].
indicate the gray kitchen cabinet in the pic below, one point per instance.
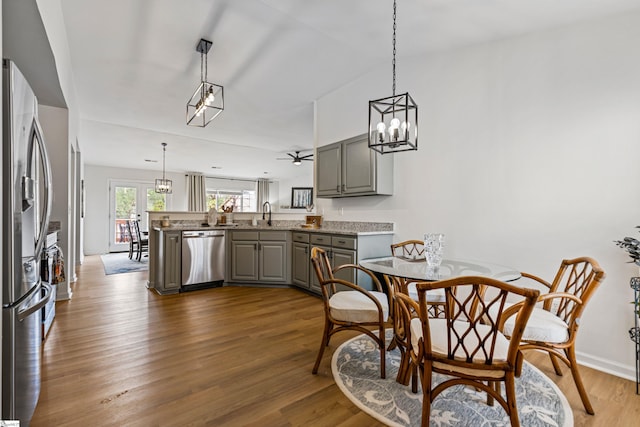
[(169, 274), (260, 256), (351, 168), (329, 167), (273, 261), (244, 261), (338, 255), (345, 249), (300, 266)]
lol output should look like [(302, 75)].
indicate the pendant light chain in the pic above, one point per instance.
[(394, 48), (164, 151), (203, 70)]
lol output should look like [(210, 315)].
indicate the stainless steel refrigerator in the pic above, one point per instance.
[(26, 206)]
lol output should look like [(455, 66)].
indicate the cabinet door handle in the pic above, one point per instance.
[(338, 188), (342, 242), (343, 188), (306, 250)]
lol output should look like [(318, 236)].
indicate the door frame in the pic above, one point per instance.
[(141, 187)]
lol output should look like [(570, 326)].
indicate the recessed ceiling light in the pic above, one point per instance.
[(216, 167), (150, 161)]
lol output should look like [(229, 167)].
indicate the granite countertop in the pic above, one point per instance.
[(330, 227)]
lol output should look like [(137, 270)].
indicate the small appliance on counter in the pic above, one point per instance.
[(313, 221)]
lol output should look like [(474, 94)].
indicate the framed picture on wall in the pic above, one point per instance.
[(301, 197)]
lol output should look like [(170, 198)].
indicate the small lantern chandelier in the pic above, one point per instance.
[(393, 121), (163, 185), (208, 99)]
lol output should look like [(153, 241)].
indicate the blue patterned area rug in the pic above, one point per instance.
[(356, 370), (117, 263)]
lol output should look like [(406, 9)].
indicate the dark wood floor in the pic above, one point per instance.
[(121, 355)]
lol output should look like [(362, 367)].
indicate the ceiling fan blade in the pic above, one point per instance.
[(306, 157)]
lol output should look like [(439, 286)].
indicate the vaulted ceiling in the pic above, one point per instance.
[(135, 66)]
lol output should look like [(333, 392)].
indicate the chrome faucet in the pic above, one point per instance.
[(266, 205)]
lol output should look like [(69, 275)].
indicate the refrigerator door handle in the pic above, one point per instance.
[(36, 134), (23, 314)]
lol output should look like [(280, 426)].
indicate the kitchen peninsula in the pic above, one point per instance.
[(258, 254)]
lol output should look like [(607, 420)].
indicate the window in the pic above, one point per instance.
[(241, 194), (242, 201)]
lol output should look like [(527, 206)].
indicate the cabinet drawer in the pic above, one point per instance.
[(273, 235), (344, 242), (301, 237), (244, 235), (321, 239)]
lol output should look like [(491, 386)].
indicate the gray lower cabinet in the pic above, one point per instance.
[(300, 266), (259, 256), (244, 260), (169, 275), (341, 249), (350, 168)]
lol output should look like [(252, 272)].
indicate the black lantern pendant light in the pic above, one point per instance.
[(393, 121), (208, 99), (163, 185)]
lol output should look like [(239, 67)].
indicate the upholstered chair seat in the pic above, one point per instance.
[(433, 296), (542, 326), (353, 306)]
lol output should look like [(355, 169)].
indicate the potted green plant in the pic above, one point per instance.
[(632, 247)]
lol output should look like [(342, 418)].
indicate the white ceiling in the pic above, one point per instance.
[(135, 66)]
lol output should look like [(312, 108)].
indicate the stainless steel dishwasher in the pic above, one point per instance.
[(202, 259)]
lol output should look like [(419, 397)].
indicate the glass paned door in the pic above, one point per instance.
[(130, 201)]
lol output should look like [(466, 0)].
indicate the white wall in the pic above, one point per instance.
[(65, 169), (527, 155), (54, 123), (285, 186), (96, 220)]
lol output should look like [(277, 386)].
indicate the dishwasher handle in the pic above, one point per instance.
[(197, 234)]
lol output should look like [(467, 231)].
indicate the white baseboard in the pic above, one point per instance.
[(628, 372), (64, 292)]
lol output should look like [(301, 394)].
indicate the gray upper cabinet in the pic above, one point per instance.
[(329, 167), (351, 168)]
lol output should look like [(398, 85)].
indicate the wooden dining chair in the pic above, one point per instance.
[(554, 323), (414, 250), (348, 306), (141, 243), (131, 238), (409, 249), (467, 344)]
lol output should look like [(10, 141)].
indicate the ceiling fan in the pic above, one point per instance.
[(297, 158)]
